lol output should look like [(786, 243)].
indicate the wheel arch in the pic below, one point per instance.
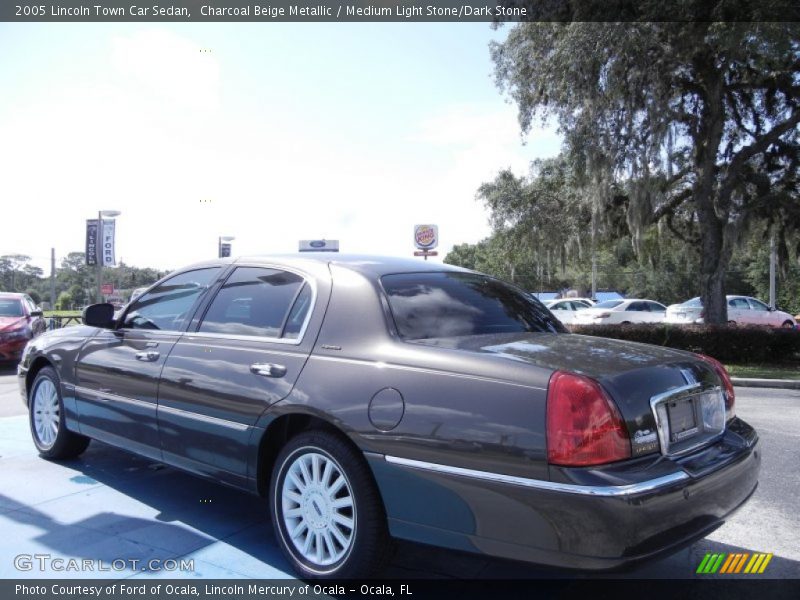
[(39, 363), (278, 433)]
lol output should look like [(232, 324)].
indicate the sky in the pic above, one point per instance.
[(269, 132)]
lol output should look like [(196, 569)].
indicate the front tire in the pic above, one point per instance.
[(326, 510), (788, 325), (46, 416)]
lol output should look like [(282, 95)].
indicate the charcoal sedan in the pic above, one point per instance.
[(373, 398)]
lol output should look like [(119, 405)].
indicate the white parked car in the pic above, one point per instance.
[(565, 309), (742, 310), (616, 312)]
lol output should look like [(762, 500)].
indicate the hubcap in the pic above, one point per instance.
[(318, 509), (45, 413)]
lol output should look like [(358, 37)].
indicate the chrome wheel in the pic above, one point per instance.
[(318, 509), (46, 413)]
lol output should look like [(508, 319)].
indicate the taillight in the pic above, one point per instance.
[(727, 385), (583, 425)]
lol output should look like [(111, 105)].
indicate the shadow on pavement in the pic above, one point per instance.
[(8, 368), (148, 503)]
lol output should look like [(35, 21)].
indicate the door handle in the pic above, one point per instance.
[(268, 369), (149, 356)]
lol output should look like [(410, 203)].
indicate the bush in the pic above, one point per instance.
[(741, 345), (64, 301)]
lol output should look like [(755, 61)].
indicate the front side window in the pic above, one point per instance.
[(758, 305), (739, 303), (433, 305), (260, 302), (167, 306)]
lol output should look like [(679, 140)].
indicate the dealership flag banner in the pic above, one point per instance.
[(108, 243), (91, 242)]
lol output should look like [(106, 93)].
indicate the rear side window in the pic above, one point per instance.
[(739, 303), (433, 305), (257, 301)]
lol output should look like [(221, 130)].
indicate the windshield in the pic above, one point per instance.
[(432, 305), (608, 304), (11, 308)]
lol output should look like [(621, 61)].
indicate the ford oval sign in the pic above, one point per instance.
[(319, 246), (426, 237)]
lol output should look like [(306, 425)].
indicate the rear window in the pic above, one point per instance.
[(693, 303), (433, 305)]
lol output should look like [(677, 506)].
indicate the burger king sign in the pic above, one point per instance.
[(426, 237)]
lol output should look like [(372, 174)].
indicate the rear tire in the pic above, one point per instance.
[(46, 417), (327, 512), (788, 325)]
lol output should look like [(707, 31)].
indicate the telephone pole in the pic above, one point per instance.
[(52, 278)]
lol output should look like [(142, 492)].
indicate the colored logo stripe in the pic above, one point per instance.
[(734, 563)]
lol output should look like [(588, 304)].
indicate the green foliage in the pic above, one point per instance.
[(64, 301), (727, 344), (73, 278), (695, 124)]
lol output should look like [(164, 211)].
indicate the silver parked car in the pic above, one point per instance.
[(742, 310)]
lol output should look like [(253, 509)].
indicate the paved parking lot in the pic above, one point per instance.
[(111, 505)]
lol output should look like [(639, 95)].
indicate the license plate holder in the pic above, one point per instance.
[(682, 419), (688, 417)]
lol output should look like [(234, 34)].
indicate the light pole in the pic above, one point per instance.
[(99, 247), (223, 238)]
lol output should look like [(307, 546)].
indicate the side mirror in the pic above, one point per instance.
[(37, 313), (99, 315)]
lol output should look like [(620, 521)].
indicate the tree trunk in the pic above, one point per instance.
[(713, 265), (715, 253)]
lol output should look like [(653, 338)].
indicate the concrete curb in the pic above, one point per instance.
[(785, 384)]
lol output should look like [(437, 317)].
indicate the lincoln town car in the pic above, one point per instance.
[(368, 398)]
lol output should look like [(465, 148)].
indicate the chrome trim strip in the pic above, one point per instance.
[(204, 418), (191, 335), (550, 486), (94, 395), (98, 396)]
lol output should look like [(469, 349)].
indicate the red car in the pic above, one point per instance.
[(20, 321)]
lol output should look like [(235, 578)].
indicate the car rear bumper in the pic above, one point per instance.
[(588, 519)]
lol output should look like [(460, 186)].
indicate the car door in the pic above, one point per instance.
[(635, 312), (739, 311), (117, 371), (658, 312), (761, 313), (245, 354)]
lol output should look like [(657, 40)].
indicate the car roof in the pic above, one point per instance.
[(12, 295), (374, 266)]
